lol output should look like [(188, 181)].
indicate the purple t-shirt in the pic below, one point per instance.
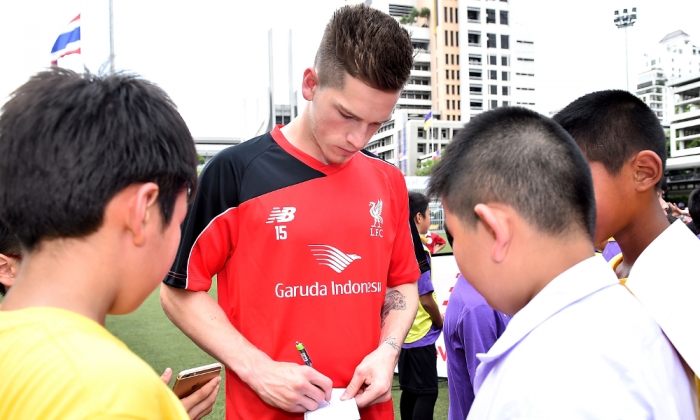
[(611, 249), (471, 326)]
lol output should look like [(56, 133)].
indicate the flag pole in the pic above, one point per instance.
[(111, 39), (291, 81)]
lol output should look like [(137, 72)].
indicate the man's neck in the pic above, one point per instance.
[(300, 135), (638, 235), (63, 275)]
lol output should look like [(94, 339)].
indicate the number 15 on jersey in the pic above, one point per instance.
[(281, 232)]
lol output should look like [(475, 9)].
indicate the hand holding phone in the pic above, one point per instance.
[(190, 380)]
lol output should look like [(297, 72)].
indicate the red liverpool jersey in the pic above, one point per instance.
[(328, 241)]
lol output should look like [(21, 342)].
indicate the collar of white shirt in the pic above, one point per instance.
[(665, 280), (574, 284)]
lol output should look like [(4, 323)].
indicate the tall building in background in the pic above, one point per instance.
[(471, 56), (683, 165), (675, 57)]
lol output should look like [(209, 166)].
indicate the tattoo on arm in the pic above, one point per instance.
[(394, 300), (392, 342)]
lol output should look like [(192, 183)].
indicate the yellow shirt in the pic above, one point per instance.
[(57, 364), (614, 262)]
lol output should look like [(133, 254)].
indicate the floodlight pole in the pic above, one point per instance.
[(622, 21), (111, 39)]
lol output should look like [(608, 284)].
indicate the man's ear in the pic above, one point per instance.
[(648, 170), (142, 207), (496, 223), (309, 85), (8, 270)]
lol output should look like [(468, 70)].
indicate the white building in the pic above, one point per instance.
[(404, 143), (683, 166), (499, 56), (676, 56), (471, 56)]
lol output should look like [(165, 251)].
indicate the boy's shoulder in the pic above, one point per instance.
[(595, 353), (64, 365)]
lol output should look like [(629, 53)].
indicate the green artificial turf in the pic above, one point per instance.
[(151, 335)]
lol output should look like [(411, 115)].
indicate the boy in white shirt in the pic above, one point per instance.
[(579, 345)]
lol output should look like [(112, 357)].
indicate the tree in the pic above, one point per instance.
[(426, 167), (424, 13)]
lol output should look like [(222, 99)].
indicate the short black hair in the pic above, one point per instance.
[(612, 125), (520, 158), (417, 203), (69, 142), (9, 245), (694, 206)]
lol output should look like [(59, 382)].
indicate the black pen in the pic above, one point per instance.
[(304, 355)]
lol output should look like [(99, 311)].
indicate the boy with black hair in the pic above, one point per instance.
[(578, 345), (626, 148), (100, 170), (10, 254), (417, 364)]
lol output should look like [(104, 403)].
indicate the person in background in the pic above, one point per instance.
[(417, 365), (694, 211), (434, 242)]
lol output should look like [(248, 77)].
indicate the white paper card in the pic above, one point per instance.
[(335, 409)]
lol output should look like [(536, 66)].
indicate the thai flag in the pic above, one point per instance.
[(68, 42), (436, 156)]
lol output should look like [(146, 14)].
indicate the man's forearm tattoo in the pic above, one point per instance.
[(394, 300), (392, 342)]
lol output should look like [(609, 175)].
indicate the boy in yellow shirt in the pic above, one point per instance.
[(96, 172)]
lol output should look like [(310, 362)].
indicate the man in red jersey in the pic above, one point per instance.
[(332, 265)]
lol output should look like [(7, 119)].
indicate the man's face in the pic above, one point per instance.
[(422, 221), (611, 197), (343, 120)]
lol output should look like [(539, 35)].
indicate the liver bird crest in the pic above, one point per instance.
[(376, 212)]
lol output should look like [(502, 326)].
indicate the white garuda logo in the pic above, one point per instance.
[(332, 257), (281, 215), (376, 211)]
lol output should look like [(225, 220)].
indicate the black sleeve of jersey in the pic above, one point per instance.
[(423, 262), (235, 175), (217, 192)]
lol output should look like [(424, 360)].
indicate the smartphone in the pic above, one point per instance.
[(190, 380)]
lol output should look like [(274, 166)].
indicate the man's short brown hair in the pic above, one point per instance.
[(367, 44)]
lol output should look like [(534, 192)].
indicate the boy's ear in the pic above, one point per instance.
[(142, 207), (496, 223), (8, 270), (309, 84), (648, 170)]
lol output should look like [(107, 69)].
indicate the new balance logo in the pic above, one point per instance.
[(281, 215), (332, 257)]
